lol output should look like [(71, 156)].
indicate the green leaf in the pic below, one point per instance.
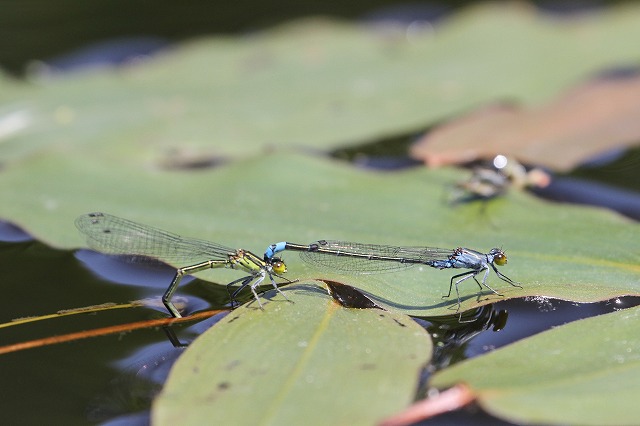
[(584, 373), (307, 362), (312, 83), (550, 246)]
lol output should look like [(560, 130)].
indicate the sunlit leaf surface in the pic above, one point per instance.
[(583, 373), (307, 362)]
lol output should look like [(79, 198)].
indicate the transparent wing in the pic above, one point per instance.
[(358, 258), (113, 235)]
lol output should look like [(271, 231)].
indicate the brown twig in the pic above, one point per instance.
[(103, 331)]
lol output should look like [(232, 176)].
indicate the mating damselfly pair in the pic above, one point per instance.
[(113, 235)]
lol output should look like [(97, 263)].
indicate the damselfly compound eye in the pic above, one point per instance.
[(500, 259), (279, 267)]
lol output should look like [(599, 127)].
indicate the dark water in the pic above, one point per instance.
[(94, 379)]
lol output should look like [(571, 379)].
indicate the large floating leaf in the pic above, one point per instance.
[(307, 362), (585, 373), (550, 246)]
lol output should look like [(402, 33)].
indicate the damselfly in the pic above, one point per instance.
[(358, 258), (491, 180), (113, 235)]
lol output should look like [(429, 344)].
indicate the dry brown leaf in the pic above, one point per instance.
[(598, 116)]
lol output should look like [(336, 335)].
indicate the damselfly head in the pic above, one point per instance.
[(278, 266), (499, 257)]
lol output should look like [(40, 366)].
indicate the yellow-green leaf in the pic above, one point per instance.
[(583, 373), (308, 362)]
